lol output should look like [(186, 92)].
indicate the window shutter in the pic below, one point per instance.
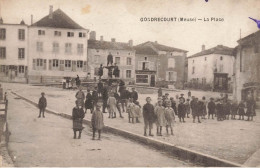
[(50, 64), (167, 76), (73, 65), (62, 65), (140, 65), (85, 66), (44, 64), (15, 70), (34, 64)]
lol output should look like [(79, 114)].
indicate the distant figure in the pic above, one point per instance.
[(118, 104), (189, 94), (94, 97), (195, 109), (116, 71), (100, 88), (160, 92), (89, 102), (111, 105), (100, 71), (241, 110), (257, 22), (42, 105), (78, 81), (77, 117), (181, 111), (105, 97), (187, 107), (134, 95), (110, 71), (249, 111), (234, 108), (97, 121), (211, 108), (109, 59), (80, 96)]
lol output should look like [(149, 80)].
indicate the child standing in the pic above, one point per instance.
[(160, 122), (187, 107), (181, 110), (228, 109), (241, 110), (97, 121), (89, 102), (149, 116), (131, 110), (77, 117), (169, 117), (111, 104), (234, 108), (211, 108), (138, 112), (42, 105)]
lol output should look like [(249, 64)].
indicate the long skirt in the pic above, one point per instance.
[(77, 124)]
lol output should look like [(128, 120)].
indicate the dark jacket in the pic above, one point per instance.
[(211, 107), (100, 71), (148, 112), (134, 95), (181, 110), (42, 102), (95, 95)]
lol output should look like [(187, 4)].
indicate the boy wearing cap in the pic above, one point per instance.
[(149, 116), (42, 105), (211, 108), (77, 117), (97, 121)]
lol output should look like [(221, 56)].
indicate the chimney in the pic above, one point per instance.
[(113, 40), (92, 35), (31, 19), (130, 43), (203, 47), (51, 11), (101, 38)]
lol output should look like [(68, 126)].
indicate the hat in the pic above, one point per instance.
[(182, 94), (42, 93)]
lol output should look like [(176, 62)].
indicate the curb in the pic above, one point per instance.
[(180, 152)]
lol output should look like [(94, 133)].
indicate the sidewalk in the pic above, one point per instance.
[(226, 140), (48, 142)]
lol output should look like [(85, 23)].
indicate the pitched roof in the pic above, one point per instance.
[(59, 20), (253, 36), (219, 49), (161, 47), (96, 44), (146, 50)]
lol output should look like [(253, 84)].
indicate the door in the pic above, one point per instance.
[(152, 84)]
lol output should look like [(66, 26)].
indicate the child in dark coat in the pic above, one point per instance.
[(77, 118), (42, 105), (234, 108), (88, 102), (211, 108), (241, 110), (181, 110)]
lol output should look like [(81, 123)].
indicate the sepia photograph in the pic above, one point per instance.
[(129, 83)]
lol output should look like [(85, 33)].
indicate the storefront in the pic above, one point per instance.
[(145, 77)]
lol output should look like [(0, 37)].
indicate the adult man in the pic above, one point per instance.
[(118, 102), (250, 108), (100, 71), (42, 105), (77, 117), (80, 96), (109, 59), (134, 95), (78, 81), (149, 116), (195, 110), (105, 97)]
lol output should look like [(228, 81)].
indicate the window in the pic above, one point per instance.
[(128, 73), (67, 63), (2, 52), (2, 68), (145, 58), (221, 68), (221, 58), (21, 34), (193, 70), (80, 49), (145, 66), (70, 34), (55, 63), (21, 53), (57, 33), (171, 63), (39, 46), (142, 79), (68, 48), (79, 64), (96, 58), (41, 32), (55, 47), (129, 61), (2, 34), (82, 34), (21, 69), (117, 60), (205, 58), (39, 62), (172, 76)]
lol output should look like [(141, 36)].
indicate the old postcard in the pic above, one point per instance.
[(129, 83)]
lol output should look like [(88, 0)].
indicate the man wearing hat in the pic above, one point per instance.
[(42, 105), (77, 117), (183, 99)]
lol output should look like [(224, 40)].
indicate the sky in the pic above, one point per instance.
[(120, 19)]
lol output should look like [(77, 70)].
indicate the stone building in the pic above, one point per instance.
[(13, 52), (159, 63), (57, 48), (123, 55), (247, 68), (213, 68)]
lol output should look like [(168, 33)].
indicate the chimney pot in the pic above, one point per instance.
[(101, 38), (51, 11), (203, 47), (113, 40), (92, 35)]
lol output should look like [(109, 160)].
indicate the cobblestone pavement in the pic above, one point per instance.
[(233, 140), (49, 142)]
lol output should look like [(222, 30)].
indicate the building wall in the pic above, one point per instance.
[(55, 74), (94, 63), (205, 66), (12, 44)]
